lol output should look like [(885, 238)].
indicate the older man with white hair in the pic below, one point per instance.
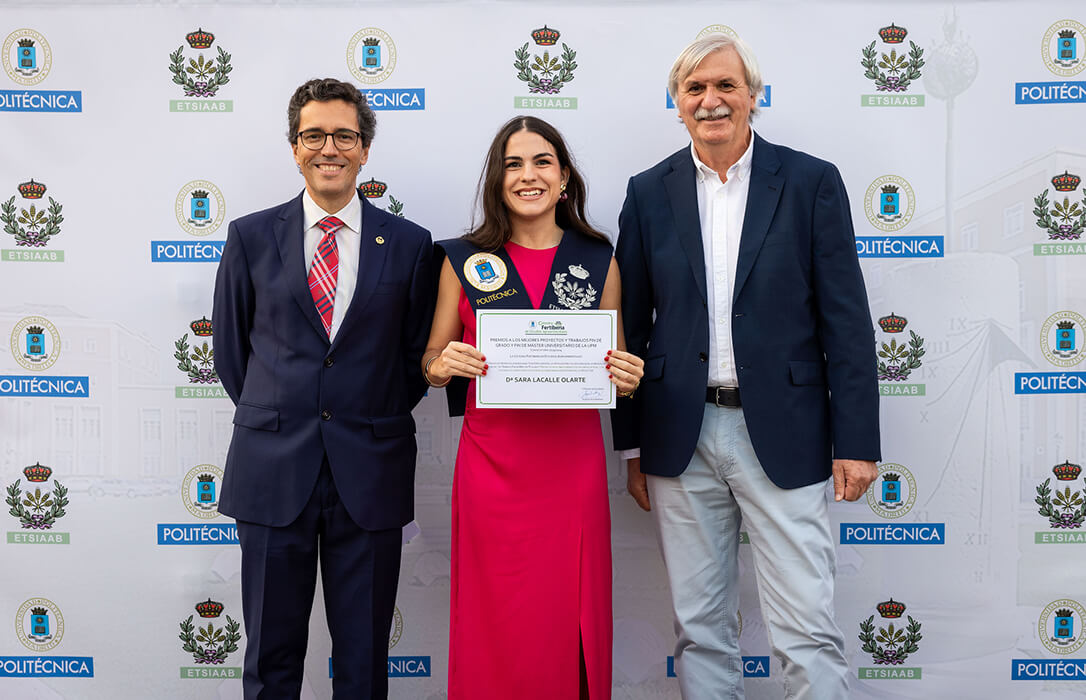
[(743, 292)]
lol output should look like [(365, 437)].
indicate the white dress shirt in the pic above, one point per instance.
[(348, 240), (722, 206)]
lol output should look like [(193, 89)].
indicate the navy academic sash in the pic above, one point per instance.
[(490, 281)]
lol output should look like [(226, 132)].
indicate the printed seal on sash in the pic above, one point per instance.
[(485, 271)]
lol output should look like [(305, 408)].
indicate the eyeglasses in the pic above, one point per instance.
[(342, 139)]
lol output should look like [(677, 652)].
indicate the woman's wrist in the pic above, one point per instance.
[(428, 378)]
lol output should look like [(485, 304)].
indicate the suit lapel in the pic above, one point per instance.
[(371, 260), (291, 240), (762, 198), (682, 195)]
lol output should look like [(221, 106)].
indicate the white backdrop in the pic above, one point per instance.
[(107, 553)]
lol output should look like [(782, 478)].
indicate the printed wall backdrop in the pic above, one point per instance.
[(133, 134)]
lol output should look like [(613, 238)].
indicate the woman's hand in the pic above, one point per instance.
[(456, 360), (625, 371)]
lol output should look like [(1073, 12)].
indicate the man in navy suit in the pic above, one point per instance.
[(742, 291), (322, 310)]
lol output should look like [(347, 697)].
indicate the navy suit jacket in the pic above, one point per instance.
[(300, 398), (801, 330)]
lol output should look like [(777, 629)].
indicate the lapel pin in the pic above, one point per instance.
[(380, 240)]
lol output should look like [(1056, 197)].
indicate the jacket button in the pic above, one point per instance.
[(703, 357), (326, 415), (329, 361)]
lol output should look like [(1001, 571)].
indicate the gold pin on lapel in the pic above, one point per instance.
[(380, 240)]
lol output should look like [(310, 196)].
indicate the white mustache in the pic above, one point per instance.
[(718, 112)]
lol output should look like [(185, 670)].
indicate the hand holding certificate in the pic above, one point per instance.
[(545, 359)]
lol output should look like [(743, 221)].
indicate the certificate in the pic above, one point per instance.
[(545, 359)]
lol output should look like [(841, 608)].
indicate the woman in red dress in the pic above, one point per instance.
[(531, 545)]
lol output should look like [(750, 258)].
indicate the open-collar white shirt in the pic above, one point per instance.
[(348, 241), (722, 207)]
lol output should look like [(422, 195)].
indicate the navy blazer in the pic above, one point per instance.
[(801, 330), (300, 397)]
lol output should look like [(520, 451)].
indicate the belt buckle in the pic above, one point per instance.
[(716, 399)]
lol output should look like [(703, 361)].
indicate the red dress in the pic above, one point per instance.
[(531, 543)]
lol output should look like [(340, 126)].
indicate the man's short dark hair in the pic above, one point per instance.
[(323, 90)]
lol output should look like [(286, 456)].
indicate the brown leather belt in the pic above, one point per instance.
[(723, 396)]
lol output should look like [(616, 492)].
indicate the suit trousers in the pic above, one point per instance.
[(359, 572), (698, 518)]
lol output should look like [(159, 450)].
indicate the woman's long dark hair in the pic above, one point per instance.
[(495, 229)]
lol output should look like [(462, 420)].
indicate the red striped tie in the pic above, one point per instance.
[(325, 270)]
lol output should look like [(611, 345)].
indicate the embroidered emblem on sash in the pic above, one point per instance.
[(485, 271), (570, 294)]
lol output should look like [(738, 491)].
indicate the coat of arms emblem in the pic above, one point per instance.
[(892, 72), (545, 74), (1064, 509), (1066, 220), (210, 645), (375, 189), (571, 294), (31, 227), (199, 364), (890, 645), (200, 77), (37, 509), (898, 360)]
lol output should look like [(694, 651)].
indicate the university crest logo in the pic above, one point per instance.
[(1062, 54), (717, 29), (27, 57), (375, 189), (199, 491), (545, 74), (200, 208), (397, 628), (210, 646), (890, 646), (485, 271), (889, 203), (39, 625), (200, 77), (35, 343), (35, 508), (1058, 626), (1060, 338), (402, 666), (27, 61), (371, 55), (398, 666), (893, 493), (1066, 220), (1062, 48), (31, 227), (571, 295), (1064, 509), (897, 361)]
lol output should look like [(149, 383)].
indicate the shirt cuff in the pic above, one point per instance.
[(635, 453)]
